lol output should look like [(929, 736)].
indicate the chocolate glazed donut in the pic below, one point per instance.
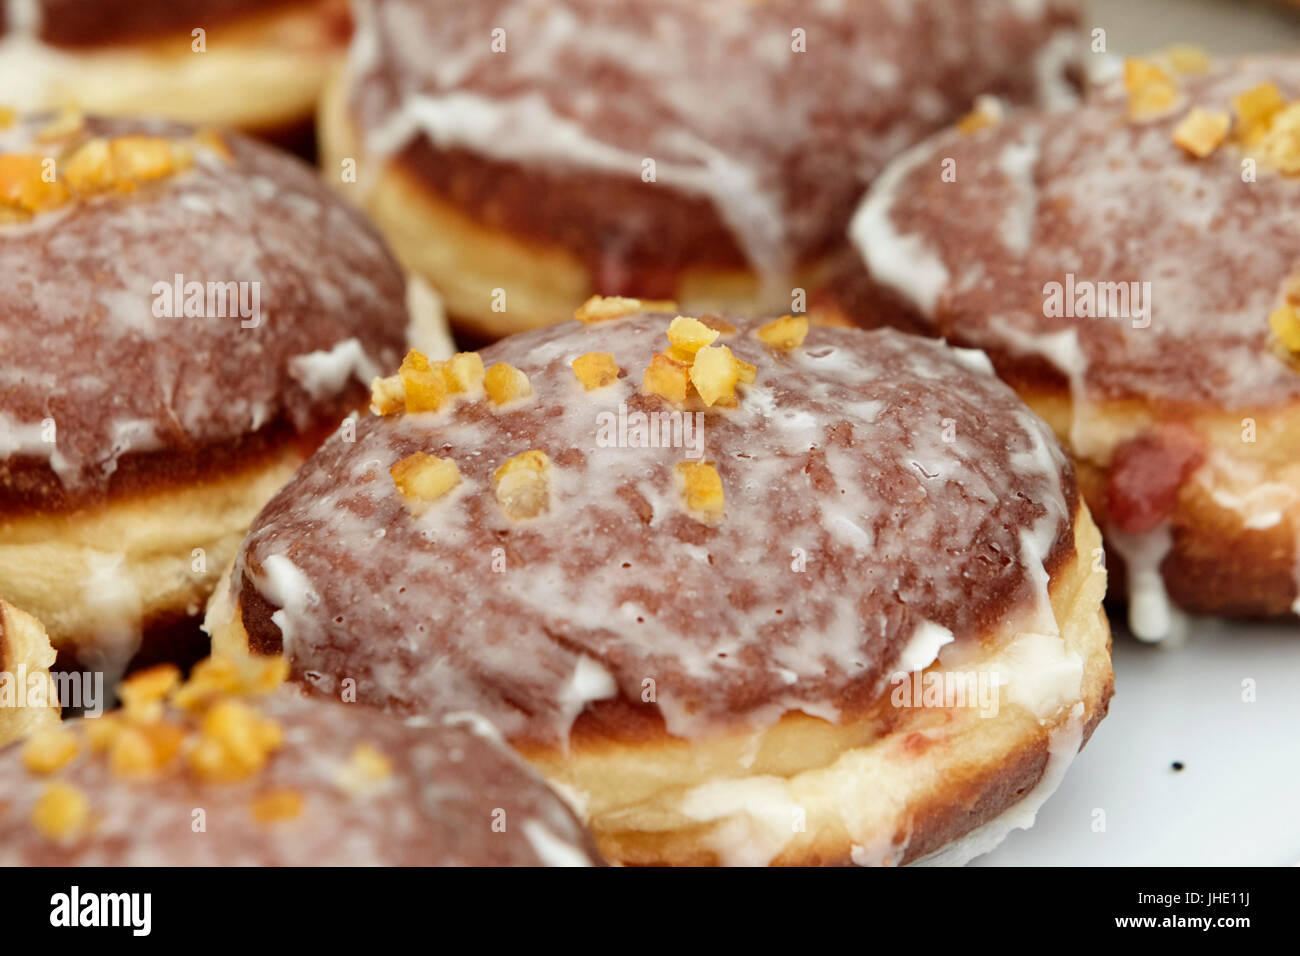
[(706, 636), (143, 423), (258, 65), (1133, 270), (221, 772), (709, 153)]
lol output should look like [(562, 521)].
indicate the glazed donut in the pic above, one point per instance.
[(521, 154), (27, 697), (1166, 206), (705, 642), (213, 773), (259, 65), (183, 318)]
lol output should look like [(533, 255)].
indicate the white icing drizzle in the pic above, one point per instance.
[(905, 262), (1151, 615), (715, 95)]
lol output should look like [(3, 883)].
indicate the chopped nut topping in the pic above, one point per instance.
[(102, 731), (1185, 58), (505, 383), (216, 677), (422, 479), (387, 395), (139, 159), (50, 749), (668, 378), (23, 186), (690, 335), (1255, 110), (144, 750), (702, 488), (96, 166), (1201, 132), (143, 693), (1285, 323), (1280, 145), (368, 767), (602, 308), (1151, 91), (463, 371), (717, 324), (371, 763), (234, 743), (61, 812), (522, 485), (596, 370), (277, 805), (715, 374), (787, 332), (987, 112), (425, 386)]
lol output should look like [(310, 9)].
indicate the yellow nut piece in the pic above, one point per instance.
[(422, 479), (603, 308), (1279, 147), (7, 116), (90, 168), (49, 750), (505, 383), (1185, 58), (387, 395), (787, 332), (138, 751), (701, 487), (26, 183), (61, 812), (690, 335), (987, 112), (596, 370), (370, 763), (234, 743), (143, 693), (1255, 109), (144, 158), (667, 378), (1151, 91), (523, 486), (275, 806), (463, 372), (102, 731), (1285, 323), (424, 387), (715, 374), (1200, 132)]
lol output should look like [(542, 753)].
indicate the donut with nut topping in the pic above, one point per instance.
[(684, 563), (1132, 267)]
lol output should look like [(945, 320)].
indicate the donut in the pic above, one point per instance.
[(184, 317), (1133, 270), (521, 155), (27, 701), (257, 65), (701, 573), (224, 771)]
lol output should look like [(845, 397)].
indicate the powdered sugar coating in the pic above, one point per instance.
[(85, 351), (876, 486), (454, 797), (778, 113), (1091, 194)]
